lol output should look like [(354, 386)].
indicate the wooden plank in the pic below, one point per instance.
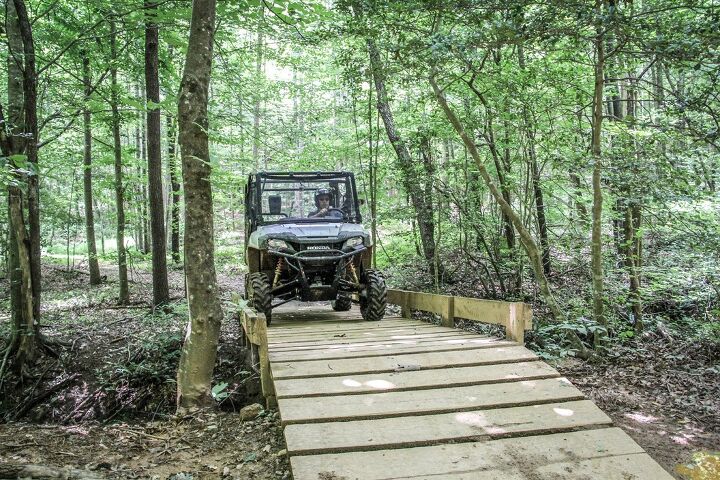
[(428, 302), (413, 380), (344, 339), (634, 466), (485, 311), (420, 402), (447, 338), (384, 333), (384, 349), (402, 432), (355, 319), (251, 325), (527, 455), (419, 361), (620, 467), (351, 351), (346, 327)]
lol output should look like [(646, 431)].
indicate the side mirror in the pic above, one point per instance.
[(275, 204)]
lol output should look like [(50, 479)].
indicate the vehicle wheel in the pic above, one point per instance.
[(342, 303), (258, 288), (372, 305)]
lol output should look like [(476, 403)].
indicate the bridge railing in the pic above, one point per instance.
[(516, 317), (253, 328)]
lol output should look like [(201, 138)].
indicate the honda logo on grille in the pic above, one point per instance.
[(318, 247)]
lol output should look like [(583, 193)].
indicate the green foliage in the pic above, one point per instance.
[(518, 74)]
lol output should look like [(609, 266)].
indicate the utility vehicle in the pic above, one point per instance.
[(304, 240)]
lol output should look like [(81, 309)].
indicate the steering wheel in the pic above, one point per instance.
[(331, 209)]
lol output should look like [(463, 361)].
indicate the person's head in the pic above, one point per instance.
[(322, 198)]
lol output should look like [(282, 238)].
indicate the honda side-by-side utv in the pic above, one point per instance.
[(304, 240)]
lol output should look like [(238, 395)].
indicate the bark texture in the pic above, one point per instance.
[(14, 126), (161, 291), (87, 178), (175, 196), (596, 240), (31, 148), (123, 295), (200, 348)]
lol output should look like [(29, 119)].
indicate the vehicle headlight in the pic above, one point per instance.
[(275, 243), (353, 242)]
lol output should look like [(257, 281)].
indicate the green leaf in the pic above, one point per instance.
[(218, 391)]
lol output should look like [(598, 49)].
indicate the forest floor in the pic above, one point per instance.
[(112, 415), (115, 417)]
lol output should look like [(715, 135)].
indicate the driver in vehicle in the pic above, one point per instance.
[(322, 202)]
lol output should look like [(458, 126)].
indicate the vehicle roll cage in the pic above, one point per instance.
[(256, 184)]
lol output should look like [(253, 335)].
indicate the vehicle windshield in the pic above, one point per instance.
[(306, 199)]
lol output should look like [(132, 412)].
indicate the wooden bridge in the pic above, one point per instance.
[(403, 398)]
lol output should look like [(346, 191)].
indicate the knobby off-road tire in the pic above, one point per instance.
[(258, 291), (343, 303), (372, 306)]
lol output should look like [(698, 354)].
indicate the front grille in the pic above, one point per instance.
[(318, 247)]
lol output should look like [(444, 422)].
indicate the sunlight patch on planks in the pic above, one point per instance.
[(413, 380)]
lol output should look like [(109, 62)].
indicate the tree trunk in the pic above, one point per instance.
[(258, 98), (372, 173), (596, 242), (123, 296), (87, 177), (423, 210), (633, 218), (526, 239), (535, 171), (14, 128), (25, 341), (200, 348), (161, 292), (31, 149), (175, 197)]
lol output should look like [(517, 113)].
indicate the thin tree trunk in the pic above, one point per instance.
[(423, 210), (175, 196), (200, 348), (87, 178), (535, 170), (161, 291), (373, 180), (124, 295), (633, 219), (596, 148), (100, 218), (258, 99)]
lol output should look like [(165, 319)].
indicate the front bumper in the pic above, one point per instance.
[(312, 261), (318, 257)]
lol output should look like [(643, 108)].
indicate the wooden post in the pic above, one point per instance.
[(515, 327), (448, 314), (255, 325), (235, 300), (266, 382), (405, 310)]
